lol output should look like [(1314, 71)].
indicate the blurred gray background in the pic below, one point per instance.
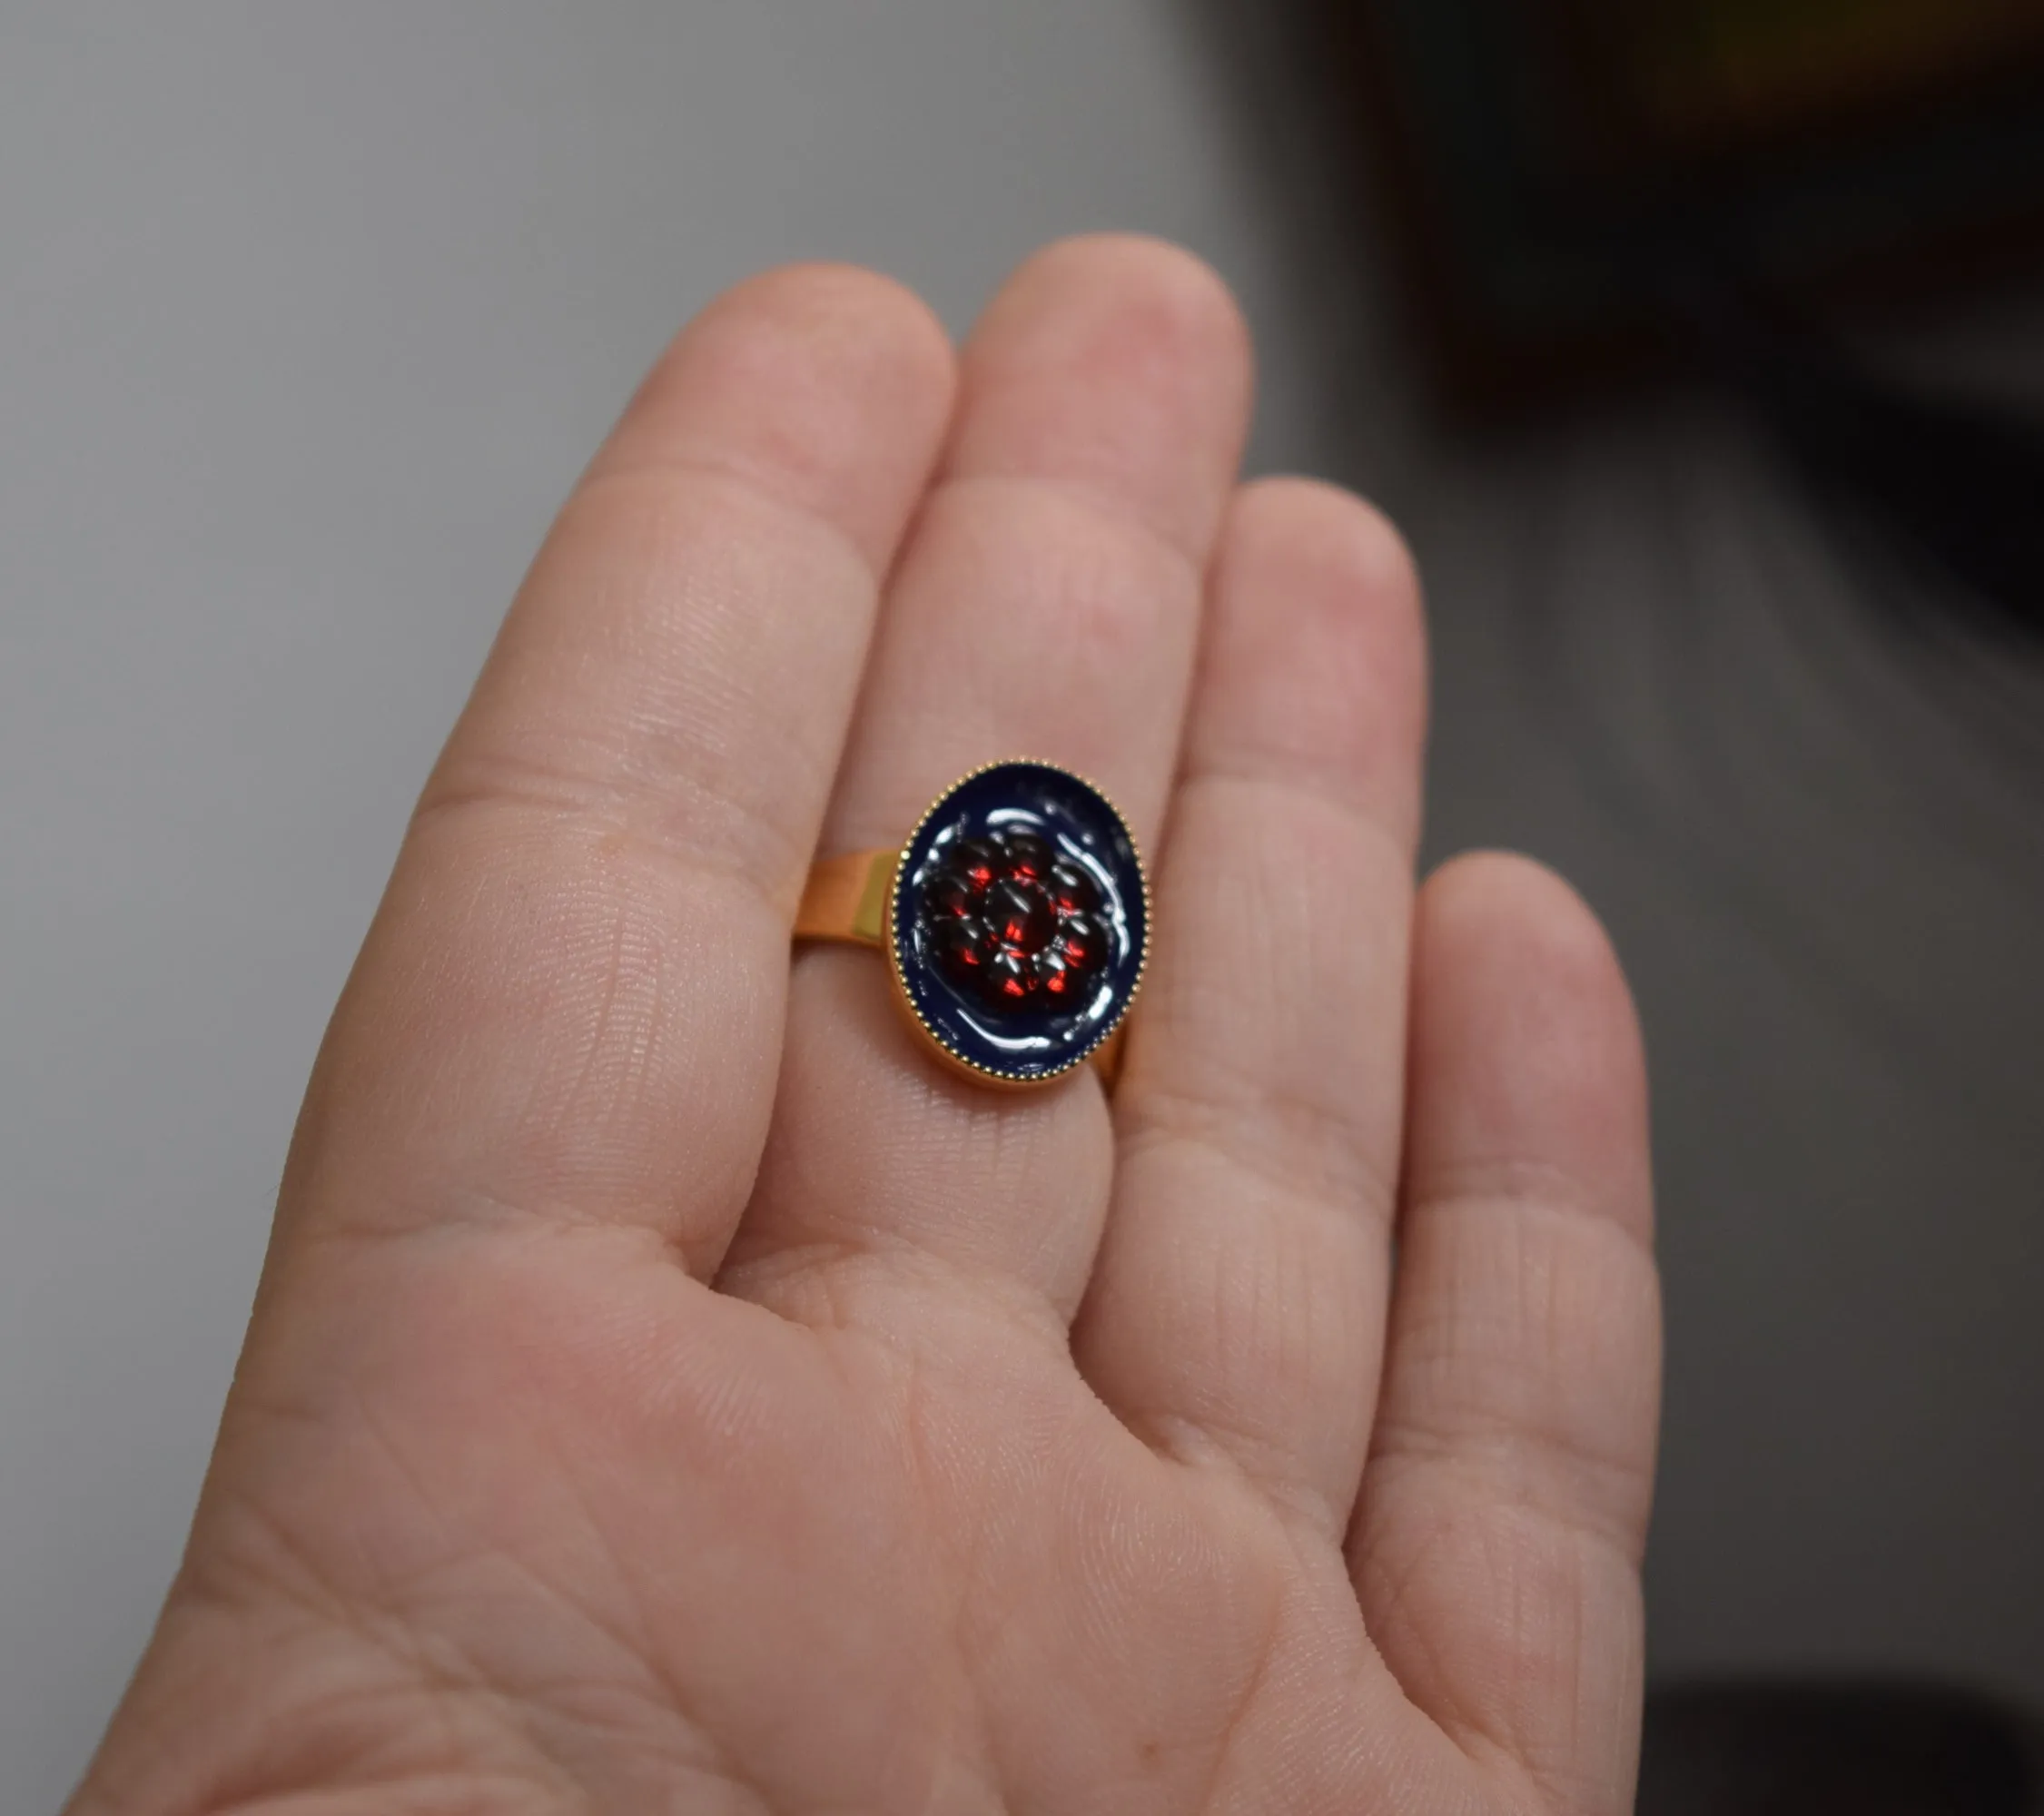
[(308, 316)]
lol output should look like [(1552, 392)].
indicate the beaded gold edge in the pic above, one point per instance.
[(1010, 1080)]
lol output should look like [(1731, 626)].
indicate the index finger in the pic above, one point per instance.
[(569, 1005)]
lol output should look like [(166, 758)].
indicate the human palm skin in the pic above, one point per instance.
[(671, 1390)]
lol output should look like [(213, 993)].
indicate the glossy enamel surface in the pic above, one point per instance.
[(1019, 921)]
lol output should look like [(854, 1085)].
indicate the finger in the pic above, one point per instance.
[(1236, 1312), (569, 1005), (1497, 1544), (1048, 606)]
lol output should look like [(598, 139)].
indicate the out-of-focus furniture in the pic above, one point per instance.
[(1550, 164)]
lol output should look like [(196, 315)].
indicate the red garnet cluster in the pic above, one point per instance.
[(1012, 924)]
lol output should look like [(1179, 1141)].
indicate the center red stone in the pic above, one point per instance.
[(1012, 922)]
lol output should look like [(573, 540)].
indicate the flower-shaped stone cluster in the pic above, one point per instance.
[(1012, 923)]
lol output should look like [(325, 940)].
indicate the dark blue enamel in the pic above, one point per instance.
[(1002, 806)]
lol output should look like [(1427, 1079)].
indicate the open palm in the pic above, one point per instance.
[(670, 1391)]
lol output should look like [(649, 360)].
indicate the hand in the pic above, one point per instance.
[(670, 1391)]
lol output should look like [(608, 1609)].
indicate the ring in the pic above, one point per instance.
[(1016, 919)]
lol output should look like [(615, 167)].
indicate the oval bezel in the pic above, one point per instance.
[(1024, 1046)]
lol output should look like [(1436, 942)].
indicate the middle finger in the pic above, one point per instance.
[(1047, 606)]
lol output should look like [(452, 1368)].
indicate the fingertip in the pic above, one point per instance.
[(1316, 660), (1507, 899), (1339, 531), (846, 316), (1326, 549), (1526, 1049), (1122, 364), (1167, 286), (828, 383)]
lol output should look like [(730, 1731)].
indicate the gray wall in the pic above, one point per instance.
[(307, 314)]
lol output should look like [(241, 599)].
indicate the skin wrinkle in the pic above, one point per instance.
[(657, 475), (549, 1131), (594, 1047), (1107, 516), (618, 1073), (909, 1167), (1538, 1757), (1500, 1470), (1200, 1446), (459, 1671), (1239, 1714), (965, 1561), (1507, 1495), (704, 1757), (1170, 1120), (1308, 1545), (964, 1555), (1094, 611), (1097, 599), (678, 803), (1539, 1185), (1508, 1432), (418, 1680), (1392, 1592), (1240, 774), (860, 1287), (602, 825), (394, 1634), (438, 1794)]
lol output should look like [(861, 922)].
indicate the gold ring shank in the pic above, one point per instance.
[(845, 900)]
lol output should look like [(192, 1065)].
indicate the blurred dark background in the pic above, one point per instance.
[(1556, 173), (1699, 347)]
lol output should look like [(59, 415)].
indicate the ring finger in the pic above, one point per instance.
[(1047, 606)]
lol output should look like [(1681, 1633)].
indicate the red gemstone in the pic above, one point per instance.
[(1014, 923), (1071, 889), (978, 861), (948, 894), (1009, 979), (1028, 855), (961, 950), (1019, 916), (1055, 977), (1083, 944)]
